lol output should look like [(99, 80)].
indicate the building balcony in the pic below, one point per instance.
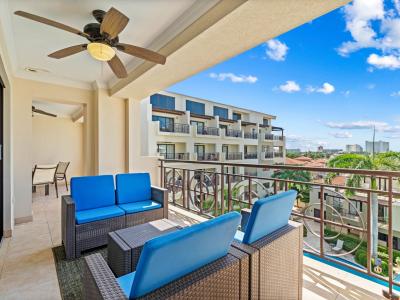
[(273, 137), (176, 156), (268, 155), (210, 131), (209, 156), (233, 155), (278, 154), (251, 155), (251, 135), (233, 133), (176, 128)]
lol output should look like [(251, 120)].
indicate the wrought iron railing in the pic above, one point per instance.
[(176, 127), (195, 190), (251, 135), (269, 155), (233, 155), (209, 156), (250, 155), (208, 131), (177, 156), (273, 137), (233, 133), (278, 154)]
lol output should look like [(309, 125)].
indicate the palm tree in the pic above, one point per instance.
[(382, 161), (295, 175)]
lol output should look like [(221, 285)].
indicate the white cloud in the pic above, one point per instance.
[(372, 27), (290, 87), (346, 93), (276, 50), (234, 78), (391, 62), (326, 88), (371, 86), (342, 135), (395, 94), (304, 143), (380, 126)]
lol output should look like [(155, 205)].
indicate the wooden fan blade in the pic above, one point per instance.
[(50, 23), (113, 23), (68, 51), (117, 67), (142, 53), (42, 112)]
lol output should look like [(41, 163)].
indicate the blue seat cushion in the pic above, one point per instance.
[(133, 187), (171, 256), (96, 214), (268, 215), (134, 207), (90, 192), (126, 283)]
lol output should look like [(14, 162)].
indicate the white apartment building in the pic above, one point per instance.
[(377, 147), (354, 148), (183, 127)]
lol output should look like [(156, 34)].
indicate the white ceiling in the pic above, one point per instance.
[(30, 42), (59, 109)]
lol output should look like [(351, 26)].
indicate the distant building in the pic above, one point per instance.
[(320, 149), (377, 147), (331, 151), (293, 151), (354, 148)]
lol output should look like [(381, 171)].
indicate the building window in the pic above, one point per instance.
[(222, 112), (166, 150), (162, 101), (166, 124), (382, 237), (199, 125), (265, 122), (195, 107), (236, 116)]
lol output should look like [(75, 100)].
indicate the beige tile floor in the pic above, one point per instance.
[(27, 267)]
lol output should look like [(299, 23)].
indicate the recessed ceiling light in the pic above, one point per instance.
[(35, 70)]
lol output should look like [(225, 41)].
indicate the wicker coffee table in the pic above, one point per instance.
[(125, 245)]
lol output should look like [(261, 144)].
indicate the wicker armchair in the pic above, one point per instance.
[(275, 247), (205, 268)]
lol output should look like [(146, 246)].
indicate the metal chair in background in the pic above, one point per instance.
[(44, 175), (61, 173)]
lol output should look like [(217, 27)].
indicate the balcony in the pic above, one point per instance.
[(176, 156), (251, 155), (233, 133), (251, 135), (177, 128), (269, 155), (210, 156), (278, 154), (322, 231), (233, 155), (273, 137), (213, 131)]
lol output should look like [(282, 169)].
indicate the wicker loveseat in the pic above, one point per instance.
[(93, 210), (275, 246), (196, 262)]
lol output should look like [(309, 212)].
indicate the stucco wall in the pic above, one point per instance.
[(58, 139)]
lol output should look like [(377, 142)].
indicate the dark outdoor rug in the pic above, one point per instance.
[(69, 272)]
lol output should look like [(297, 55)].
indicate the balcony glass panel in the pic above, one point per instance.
[(162, 101), (220, 111), (195, 107)]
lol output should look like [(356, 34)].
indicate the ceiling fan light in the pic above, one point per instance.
[(101, 51)]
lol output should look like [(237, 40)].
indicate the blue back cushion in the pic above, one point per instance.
[(133, 187), (268, 215), (90, 192), (176, 254)]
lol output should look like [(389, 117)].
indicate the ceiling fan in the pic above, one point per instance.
[(42, 112), (103, 38)]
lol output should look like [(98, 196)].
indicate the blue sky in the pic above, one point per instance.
[(328, 82)]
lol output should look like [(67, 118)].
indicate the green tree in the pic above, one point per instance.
[(295, 175), (382, 161)]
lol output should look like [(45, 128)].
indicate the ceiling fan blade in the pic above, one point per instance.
[(68, 51), (42, 112), (117, 67), (113, 23), (50, 23), (142, 53)]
